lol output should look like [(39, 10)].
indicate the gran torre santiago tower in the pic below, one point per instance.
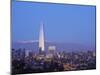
[(41, 39)]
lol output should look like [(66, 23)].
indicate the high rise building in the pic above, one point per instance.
[(51, 49), (41, 39)]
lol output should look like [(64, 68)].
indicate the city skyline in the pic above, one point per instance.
[(50, 37), (60, 22)]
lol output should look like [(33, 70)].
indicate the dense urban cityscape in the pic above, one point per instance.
[(24, 61)]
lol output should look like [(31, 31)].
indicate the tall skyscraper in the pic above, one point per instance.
[(41, 39)]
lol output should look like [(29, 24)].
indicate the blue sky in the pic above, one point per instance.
[(62, 22)]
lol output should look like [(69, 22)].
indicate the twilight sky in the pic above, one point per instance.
[(62, 22)]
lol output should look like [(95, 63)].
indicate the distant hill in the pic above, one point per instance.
[(33, 45)]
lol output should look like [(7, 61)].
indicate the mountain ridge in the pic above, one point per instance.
[(60, 46)]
